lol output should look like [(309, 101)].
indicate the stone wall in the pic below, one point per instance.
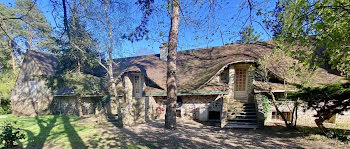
[(259, 111), (193, 106), (343, 118), (67, 105), (305, 116), (31, 102)]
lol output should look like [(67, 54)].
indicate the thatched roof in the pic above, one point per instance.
[(196, 67), (46, 63)]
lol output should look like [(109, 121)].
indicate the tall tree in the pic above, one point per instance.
[(10, 29), (170, 115), (247, 35), (37, 29), (321, 27)]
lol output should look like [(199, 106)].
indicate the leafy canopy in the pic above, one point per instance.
[(248, 35), (322, 26), (326, 101)]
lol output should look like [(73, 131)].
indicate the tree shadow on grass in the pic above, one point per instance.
[(39, 140), (73, 137)]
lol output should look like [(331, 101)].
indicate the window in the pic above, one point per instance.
[(241, 79), (224, 76), (178, 113), (32, 89), (137, 84), (276, 116)]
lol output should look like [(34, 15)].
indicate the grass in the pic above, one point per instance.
[(52, 129)]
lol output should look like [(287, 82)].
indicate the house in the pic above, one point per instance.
[(216, 84)]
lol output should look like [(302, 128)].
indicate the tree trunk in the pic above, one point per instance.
[(12, 57), (80, 106), (113, 87), (319, 123), (170, 115), (277, 109)]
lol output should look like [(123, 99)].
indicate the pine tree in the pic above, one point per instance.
[(37, 30)]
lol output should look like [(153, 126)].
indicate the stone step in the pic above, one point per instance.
[(245, 116), (241, 126), (240, 110), (242, 123), (242, 119), (247, 113)]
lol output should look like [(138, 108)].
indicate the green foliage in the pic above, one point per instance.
[(103, 102), (267, 104), (326, 101), (37, 30), (79, 52), (338, 134), (7, 82), (321, 27), (83, 84), (248, 35), (10, 134)]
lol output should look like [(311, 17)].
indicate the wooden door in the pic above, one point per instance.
[(241, 80)]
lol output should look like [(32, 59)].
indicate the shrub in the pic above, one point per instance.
[(10, 134), (266, 105), (340, 135)]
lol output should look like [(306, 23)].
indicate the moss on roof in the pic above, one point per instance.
[(196, 67)]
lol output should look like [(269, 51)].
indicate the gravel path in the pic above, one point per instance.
[(191, 134)]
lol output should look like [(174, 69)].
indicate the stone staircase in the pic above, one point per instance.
[(241, 115)]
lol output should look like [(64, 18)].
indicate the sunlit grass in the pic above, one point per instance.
[(52, 129)]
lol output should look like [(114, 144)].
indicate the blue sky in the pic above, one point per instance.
[(201, 25)]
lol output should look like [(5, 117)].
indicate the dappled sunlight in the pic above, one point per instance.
[(55, 131)]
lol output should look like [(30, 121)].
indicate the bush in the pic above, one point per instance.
[(338, 134), (10, 134), (266, 105), (5, 107)]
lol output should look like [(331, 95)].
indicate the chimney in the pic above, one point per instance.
[(164, 51)]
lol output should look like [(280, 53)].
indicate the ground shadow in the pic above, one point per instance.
[(73, 137), (39, 140), (45, 127), (196, 135)]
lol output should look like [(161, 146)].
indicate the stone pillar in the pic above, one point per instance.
[(127, 105), (231, 82), (250, 87), (223, 118)]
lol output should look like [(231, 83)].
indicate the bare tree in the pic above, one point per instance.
[(170, 115)]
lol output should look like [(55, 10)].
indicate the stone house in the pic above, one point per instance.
[(32, 95), (218, 84)]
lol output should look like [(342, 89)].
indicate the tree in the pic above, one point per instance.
[(321, 27), (10, 29), (291, 73), (327, 101), (37, 29), (248, 36), (170, 115)]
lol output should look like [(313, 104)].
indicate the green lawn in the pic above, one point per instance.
[(52, 130)]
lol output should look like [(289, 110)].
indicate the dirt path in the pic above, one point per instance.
[(191, 134)]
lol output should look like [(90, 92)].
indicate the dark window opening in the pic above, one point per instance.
[(178, 113), (179, 101), (214, 115)]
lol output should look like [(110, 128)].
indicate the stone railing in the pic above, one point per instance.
[(223, 119), (259, 111)]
